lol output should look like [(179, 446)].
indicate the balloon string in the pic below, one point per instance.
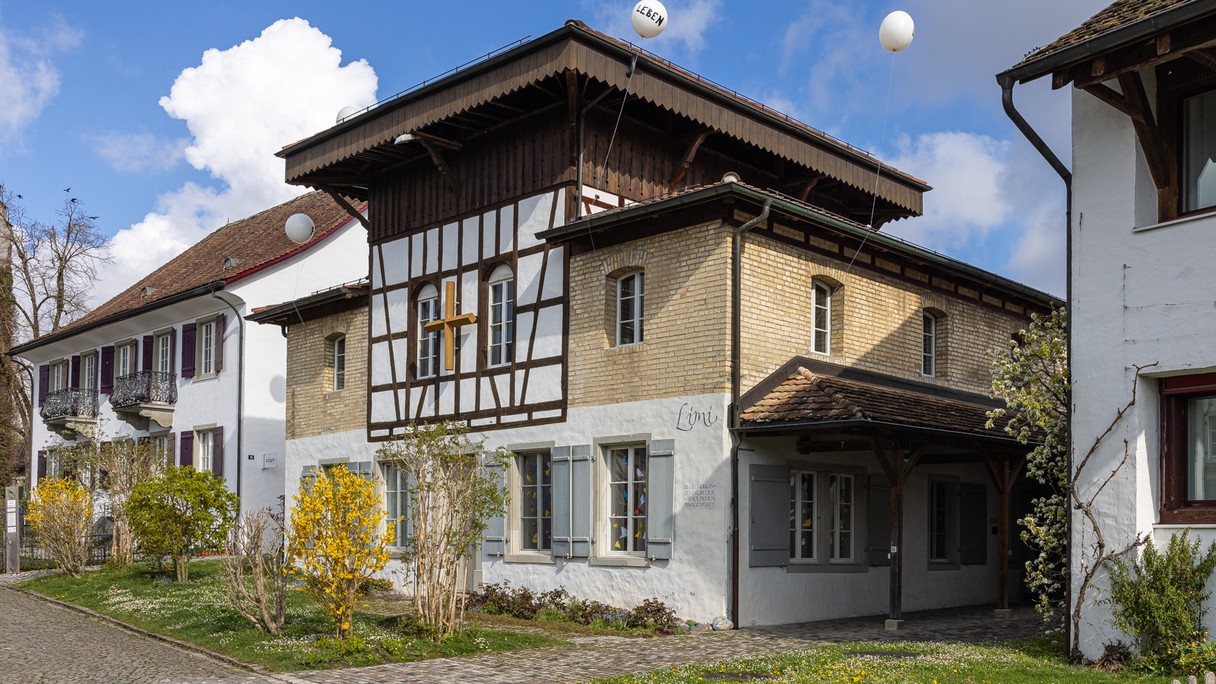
[(632, 68), (877, 165)]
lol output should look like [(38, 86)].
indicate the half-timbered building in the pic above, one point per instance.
[(724, 386)]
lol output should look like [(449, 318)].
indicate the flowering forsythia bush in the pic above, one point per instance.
[(335, 540), (61, 513)]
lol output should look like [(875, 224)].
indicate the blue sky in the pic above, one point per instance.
[(163, 117)]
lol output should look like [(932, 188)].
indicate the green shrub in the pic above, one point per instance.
[(653, 614), (558, 605), (179, 513), (1195, 657), (1158, 599)]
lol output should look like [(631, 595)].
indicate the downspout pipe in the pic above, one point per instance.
[(736, 323), (240, 389), (1007, 83)]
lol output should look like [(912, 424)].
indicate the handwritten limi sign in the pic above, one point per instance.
[(690, 417)]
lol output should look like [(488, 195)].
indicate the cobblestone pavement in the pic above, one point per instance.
[(41, 642), (609, 656)]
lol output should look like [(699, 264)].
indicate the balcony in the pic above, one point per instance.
[(143, 396), (70, 412)]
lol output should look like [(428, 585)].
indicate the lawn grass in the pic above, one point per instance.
[(199, 613), (1025, 662)]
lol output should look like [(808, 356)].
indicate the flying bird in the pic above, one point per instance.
[(67, 189)]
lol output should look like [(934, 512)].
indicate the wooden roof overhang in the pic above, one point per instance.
[(881, 253), (514, 84), (317, 305)]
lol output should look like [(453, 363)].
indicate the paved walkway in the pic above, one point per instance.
[(40, 642)]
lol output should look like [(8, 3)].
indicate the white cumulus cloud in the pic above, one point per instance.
[(132, 152), (240, 105), (28, 77)]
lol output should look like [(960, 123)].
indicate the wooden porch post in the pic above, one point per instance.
[(890, 458), (1002, 480)]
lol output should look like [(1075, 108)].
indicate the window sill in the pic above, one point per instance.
[(627, 348), (620, 561), (396, 554), (528, 558), (201, 378), (1199, 215), (800, 568)]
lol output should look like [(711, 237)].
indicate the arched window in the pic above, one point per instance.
[(928, 356), (428, 342), (502, 316), (630, 308), (821, 318)]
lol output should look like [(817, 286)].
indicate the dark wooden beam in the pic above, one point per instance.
[(437, 141), (1113, 98), (890, 458), (347, 207), (810, 185), (1145, 55), (1204, 57), (1146, 127), (442, 165), (689, 156)]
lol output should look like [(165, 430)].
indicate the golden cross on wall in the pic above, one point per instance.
[(448, 325)]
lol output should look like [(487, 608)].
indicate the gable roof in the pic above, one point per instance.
[(572, 48), (807, 398), (1121, 23), (235, 251)]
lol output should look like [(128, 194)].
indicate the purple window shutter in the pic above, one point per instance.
[(107, 370), (44, 379), (188, 341), (147, 353), (41, 464), (187, 451), (217, 451), (74, 377), (221, 324), (173, 350)]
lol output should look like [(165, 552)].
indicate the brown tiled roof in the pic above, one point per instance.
[(807, 397), (1119, 14), (253, 243)]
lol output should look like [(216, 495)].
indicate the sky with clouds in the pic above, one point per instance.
[(164, 119)]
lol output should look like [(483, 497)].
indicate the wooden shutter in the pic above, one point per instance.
[(307, 477), (41, 463), (74, 373), (173, 350), (559, 473), (187, 450), (221, 324), (769, 517), (147, 355), (44, 379), (217, 451), (188, 342), (972, 524), (494, 538), (878, 521), (580, 510), (660, 509), (107, 370)]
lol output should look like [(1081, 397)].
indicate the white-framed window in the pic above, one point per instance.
[(58, 379), (502, 316), (338, 366), (123, 361), (204, 451), (802, 515), (535, 500), (163, 444), (630, 309), (428, 342), (163, 351), (821, 310), (822, 516), (942, 521), (207, 342), (627, 500), (88, 372), (396, 503), (928, 355)]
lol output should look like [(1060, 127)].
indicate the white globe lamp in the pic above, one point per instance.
[(649, 18), (299, 228), (346, 112), (897, 31)]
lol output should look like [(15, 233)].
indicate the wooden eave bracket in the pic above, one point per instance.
[(433, 150), (1133, 102), (347, 207), (1180, 42), (689, 156)]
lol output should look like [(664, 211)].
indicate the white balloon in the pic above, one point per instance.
[(897, 31), (649, 18), (299, 228)]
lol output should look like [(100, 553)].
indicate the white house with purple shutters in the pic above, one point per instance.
[(172, 360)]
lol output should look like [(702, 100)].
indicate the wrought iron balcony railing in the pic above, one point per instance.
[(69, 403), (144, 387)]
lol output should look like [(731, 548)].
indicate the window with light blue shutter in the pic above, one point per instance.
[(580, 501), (660, 511), (560, 474), (494, 538)]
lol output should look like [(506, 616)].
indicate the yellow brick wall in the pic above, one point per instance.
[(877, 321), (687, 319), (313, 408)]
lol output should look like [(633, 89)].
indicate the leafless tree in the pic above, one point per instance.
[(46, 274)]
